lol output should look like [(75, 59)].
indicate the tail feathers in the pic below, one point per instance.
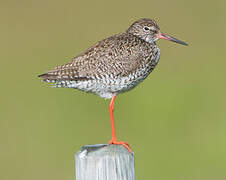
[(56, 78), (56, 82), (43, 76), (48, 77)]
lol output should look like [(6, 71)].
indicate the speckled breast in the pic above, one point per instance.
[(109, 85)]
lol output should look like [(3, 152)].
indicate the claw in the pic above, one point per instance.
[(125, 144)]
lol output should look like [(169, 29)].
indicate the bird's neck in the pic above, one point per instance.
[(146, 39)]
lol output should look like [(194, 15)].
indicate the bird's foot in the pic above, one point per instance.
[(125, 144)]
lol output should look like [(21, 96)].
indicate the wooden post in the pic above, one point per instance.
[(104, 162)]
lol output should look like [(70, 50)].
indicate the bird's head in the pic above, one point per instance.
[(148, 30)]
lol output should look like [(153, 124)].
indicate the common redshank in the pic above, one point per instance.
[(114, 65)]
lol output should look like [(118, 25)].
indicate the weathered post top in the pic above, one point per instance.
[(104, 162)]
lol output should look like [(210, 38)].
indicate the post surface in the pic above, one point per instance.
[(104, 162)]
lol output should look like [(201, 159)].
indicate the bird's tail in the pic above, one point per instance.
[(48, 77)]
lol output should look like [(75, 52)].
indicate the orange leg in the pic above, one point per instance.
[(114, 139)]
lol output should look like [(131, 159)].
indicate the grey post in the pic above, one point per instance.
[(104, 162)]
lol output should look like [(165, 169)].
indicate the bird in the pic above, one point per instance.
[(113, 65)]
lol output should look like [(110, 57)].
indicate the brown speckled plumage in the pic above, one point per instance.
[(113, 65)]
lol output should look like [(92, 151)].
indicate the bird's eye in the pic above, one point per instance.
[(146, 28)]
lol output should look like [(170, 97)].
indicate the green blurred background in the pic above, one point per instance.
[(175, 120)]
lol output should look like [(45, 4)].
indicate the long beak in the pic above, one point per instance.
[(167, 37)]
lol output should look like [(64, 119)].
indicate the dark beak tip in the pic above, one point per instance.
[(186, 44), (170, 38), (178, 41)]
